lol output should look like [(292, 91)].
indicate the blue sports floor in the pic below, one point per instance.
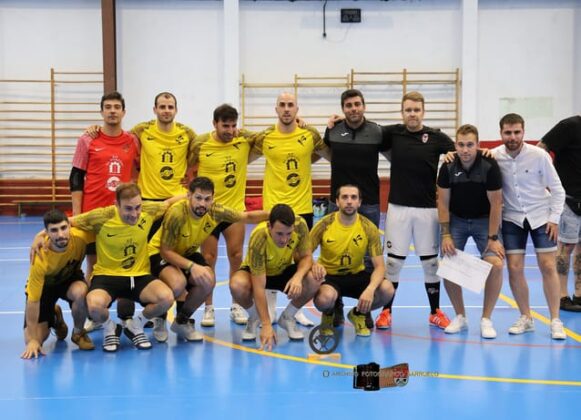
[(460, 376)]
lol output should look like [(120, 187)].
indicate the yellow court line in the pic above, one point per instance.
[(541, 318), (412, 373)]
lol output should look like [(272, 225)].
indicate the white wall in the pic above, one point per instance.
[(526, 51), (529, 50)]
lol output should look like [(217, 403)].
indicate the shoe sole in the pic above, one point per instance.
[(519, 333), (574, 308), (208, 324)]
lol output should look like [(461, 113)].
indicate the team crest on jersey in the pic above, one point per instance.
[(129, 251), (425, 138), (166, 173), (302, 140), (180, 139), (357, 239), (230, 181), (207, 227)]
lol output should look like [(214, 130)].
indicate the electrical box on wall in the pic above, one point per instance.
[(350, 15)]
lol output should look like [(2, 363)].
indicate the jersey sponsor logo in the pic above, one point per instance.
[(458, 173), (230, 181), (141, 224), (302, 140), (291, 162), (236, 145), (180, 139), (167, 156), (207, 227), (344, 134), (425, 138), (293, 180), (110, 235), (209, 154), (98, 149), (357, 239), (345, 260), (129, 252), (166, 173), (112, 183)]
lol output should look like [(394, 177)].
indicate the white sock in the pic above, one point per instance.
[(290, 310)]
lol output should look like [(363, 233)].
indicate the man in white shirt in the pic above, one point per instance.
[(533, 203)]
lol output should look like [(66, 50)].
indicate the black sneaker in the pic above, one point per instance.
[(369, 321), (339, 318), (570, 305)]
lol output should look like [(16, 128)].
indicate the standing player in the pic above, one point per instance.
[(288, 150), (222, 156), (564, 140), (412, 214), (533, 203), (56, 274), (470, 205)]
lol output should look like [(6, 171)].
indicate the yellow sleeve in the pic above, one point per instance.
[(374, 245), (35, 282), (93, 220), (138, 129), (191, 141), (304, 245), (222, 213), (171, 228), (155, 209), (316, 234), (257, 252), (318, 142), (194, 149)]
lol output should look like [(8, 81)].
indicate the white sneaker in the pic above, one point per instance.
[(91, 325), (238, 314), (557, 330), (486, 328), (209, 319), (249, 333), (271, 300), (458, 324), (522, 325), (133, 329), (187, 331), (302, 319), (159, 330), (290, 325)]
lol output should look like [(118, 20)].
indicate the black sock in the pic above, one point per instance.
[(182, 318), (125, 309), (163, 316), (388, 306), (433, 291), (179, 306)]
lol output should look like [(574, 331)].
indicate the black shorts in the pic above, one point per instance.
[(219, 229), (279, 281), (49, 297), (122, 286), (91, 249), (158, 264), (350, 285), (308, 218)]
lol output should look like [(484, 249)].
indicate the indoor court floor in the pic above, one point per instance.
[(459, 376)]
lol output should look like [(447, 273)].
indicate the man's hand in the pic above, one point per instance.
[(93, 131), (553, 231), (294, 287), (318, 272), (365, 300), (333, 120), (495, 247), (486, 153), (33, 350), (39, 243), (447, 245), (449, 157), (201, 275), (267, 337)]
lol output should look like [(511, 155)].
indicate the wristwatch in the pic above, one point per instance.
[(493, 237)]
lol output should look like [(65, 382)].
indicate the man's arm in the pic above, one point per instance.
[(77, 185), (447, 244), (254, 217), (494, 221), (557, 199), (294, 287), (33, 336), (267, 334), (377, 276), (543, 146)]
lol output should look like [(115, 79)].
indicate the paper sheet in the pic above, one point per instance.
[(465, 270)]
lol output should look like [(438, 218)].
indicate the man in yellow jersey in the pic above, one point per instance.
[(344, 237), (56, 274), (222, 156), (279, 258), (288, 150), (175, 257), (122, 269)]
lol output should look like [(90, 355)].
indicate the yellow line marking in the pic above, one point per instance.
[(222, 283), (412, 373), (541, 318)]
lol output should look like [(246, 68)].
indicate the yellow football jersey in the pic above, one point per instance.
[(343, 247), (265, 257), (54, 268), (183, 233), (287, 176), (163, 160), (226, 165), (121, 248)]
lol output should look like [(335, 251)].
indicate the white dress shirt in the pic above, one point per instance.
[(531, 188)]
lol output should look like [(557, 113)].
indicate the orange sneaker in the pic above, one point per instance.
[(383, 321), (439, 319)]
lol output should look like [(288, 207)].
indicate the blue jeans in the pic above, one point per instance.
[(461, 229), (515, 238)]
